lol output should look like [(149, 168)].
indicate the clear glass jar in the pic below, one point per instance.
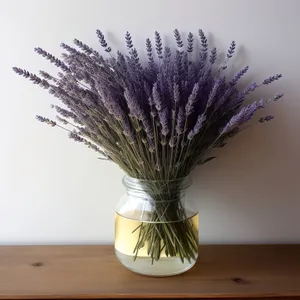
[(156, 232)]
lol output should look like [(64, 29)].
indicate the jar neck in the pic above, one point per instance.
[(157, 190)]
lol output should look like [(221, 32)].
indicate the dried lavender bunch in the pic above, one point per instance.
[(157, 120)]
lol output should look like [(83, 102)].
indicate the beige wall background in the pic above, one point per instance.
[(55, 191)]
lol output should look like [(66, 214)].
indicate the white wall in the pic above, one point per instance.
[(55, 191)]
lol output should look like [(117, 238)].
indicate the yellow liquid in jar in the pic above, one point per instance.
[(126, 238)]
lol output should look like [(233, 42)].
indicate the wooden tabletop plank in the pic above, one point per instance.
[(47, 272)]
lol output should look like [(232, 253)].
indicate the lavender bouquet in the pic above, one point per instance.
[(157, 120)]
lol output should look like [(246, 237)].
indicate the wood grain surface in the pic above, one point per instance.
[(252, 271)]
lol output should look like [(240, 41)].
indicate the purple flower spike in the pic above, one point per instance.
[(85, 48), (231, 49), (164, 121), (191, 100), (128, 40), (213, 56), (69, 49), (167, 52), (278, 96), (46, 120), (52, 59), (133, 104), (214, 92), (156, 97), (47, 76), (32, 77), (77, 138), (190, 40), (158, 45), (241, 96), (150, 53), (238, 75), (271, 79), (176, 94), (180, 121), (201, 119), (178, 38), (266, 119), (243, 116), (102, 40), (203, 40)]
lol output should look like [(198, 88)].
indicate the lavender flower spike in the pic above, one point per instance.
[(85, 48), (213, 92), (251, 88), (231, 49), (102, 40), (239, 75), (203, 40), (275, 98), (266, 119), (69, 49), (191, 100), (278, 96), (133, 105), (75, 136), (47, 76), (180, 121), (156, 97), (167, 52), (158, 45), (190, 40), (213, 55), (243, 116), (149, 52), (271, 79), (128, 40), (178, 38), (200, 120), (163, 118), (52, 59), (46, 120), (32, 77), (241, 95), (176, 94)]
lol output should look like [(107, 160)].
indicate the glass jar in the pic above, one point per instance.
[(156, 232)]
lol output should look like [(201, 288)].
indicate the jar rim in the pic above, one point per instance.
[(181, 183)]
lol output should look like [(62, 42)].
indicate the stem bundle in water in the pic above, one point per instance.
[(169, 230)]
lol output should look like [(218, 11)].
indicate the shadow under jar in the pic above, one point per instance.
[(156, 232)]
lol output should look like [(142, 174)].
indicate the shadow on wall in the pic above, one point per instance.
[(253, 187)]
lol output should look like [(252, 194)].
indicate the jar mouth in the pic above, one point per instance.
[(179, 184)]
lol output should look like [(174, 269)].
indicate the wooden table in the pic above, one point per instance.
[(65, 272)]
